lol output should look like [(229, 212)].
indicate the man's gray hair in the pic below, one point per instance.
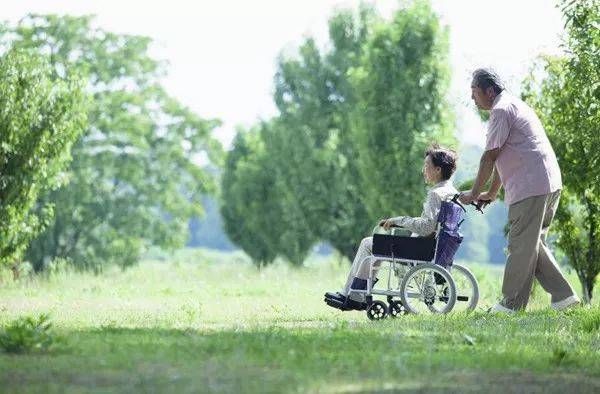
[(484, 78)]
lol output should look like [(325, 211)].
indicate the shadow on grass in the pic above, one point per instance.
[(410, 355)]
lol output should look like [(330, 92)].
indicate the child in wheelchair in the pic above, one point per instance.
[(438, 167)]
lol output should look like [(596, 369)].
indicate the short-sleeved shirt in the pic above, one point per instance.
[(526, 164)]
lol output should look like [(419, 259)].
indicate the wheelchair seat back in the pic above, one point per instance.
[(449, 238)]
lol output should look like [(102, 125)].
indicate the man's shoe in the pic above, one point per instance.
[(499, 308), (568, 302)]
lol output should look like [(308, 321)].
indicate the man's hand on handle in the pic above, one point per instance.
[(480, 201), (467, 197), (486, 198)]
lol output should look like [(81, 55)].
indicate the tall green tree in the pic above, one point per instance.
[(260, 212), (401, 87), (319, 148), (315, 99), (568, 101), (40, 118), (134, 180)]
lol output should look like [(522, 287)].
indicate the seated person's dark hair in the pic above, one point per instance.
[(444, 158)]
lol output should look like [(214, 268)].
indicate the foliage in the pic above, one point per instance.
[(568, 101), (367, 104), (40, 118), (258, 210), (247, 192), (27, 334), (401, 107), (134, 177), (315, 151)]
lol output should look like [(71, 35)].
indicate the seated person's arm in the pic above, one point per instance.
[(426, 223)]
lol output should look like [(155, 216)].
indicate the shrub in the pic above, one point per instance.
[(27, 334)]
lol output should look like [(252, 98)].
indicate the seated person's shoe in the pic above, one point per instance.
[(335, 296), (340, 301), (337, 304), (356, 305)]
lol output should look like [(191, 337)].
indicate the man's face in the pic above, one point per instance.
[(483, 99)]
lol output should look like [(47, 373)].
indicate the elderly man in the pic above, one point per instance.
[(519, 157)]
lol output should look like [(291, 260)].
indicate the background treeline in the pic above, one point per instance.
[(131, 180), (98, 162), (347, 147)]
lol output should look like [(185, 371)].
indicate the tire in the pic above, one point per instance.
[(396, 309), (467, 288), (421, 292), (377, 310)]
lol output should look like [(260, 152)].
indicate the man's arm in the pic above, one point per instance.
[(496, 183), (486, 168), (498, 132), (486, 198)]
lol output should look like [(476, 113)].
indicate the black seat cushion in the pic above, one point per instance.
[(410, 248)]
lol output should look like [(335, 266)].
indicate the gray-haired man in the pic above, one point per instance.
[(519, 157)]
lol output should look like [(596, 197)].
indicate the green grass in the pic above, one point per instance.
[(201, 321)]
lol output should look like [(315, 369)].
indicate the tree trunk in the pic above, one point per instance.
[(587, 287)]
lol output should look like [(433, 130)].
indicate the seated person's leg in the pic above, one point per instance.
[(357, 277), (359, 267)]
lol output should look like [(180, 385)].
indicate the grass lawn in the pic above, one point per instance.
[(201, 321)]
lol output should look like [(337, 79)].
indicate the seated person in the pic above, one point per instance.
[(439, 166)]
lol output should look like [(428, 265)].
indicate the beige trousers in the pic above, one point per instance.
[(528, 254)]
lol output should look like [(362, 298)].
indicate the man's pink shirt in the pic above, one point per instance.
[(526, 164)]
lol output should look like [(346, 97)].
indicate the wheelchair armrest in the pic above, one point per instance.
[(394, 230), (400, 231)]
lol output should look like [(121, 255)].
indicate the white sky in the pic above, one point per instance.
[(222, 53)]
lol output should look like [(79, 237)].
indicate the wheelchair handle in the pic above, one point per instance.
[(478, 205)]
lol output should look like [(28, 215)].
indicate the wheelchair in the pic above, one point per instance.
[(419, 272)]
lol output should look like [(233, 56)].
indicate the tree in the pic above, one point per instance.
[(258, 209), (315, 99), (568, 102), (40, 118), (332, 104), (401, 107), (134, 180), (313, 149)]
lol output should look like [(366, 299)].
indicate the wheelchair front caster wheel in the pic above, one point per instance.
[(377, 310), (397, 309)]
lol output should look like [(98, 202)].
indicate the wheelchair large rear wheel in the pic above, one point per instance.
[(467, 288), (428, 288)]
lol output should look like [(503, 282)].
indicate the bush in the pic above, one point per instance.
[(27, 334)]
